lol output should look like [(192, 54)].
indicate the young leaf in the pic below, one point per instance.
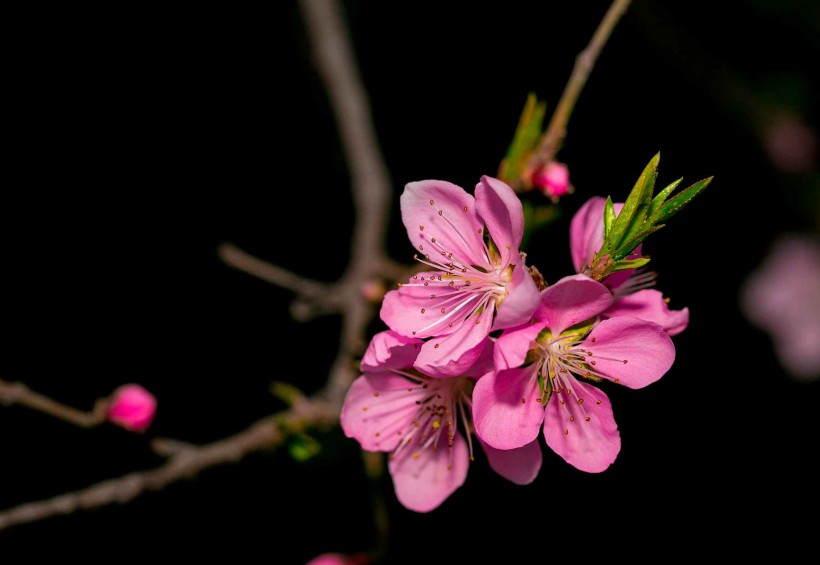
[(661, 197), (638, 201), (609, 216), (529, 129), (673, 206)]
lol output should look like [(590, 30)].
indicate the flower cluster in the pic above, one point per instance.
[(474, 346)]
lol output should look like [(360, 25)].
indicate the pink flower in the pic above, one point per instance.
[(543, 371), (423, 422), (631, 297), (471, 279), (553, 180), (339, 559), (783, 297), (132, 407)]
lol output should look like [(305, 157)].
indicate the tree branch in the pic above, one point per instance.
[(557, 129), (371, 187), (18, 393), (186, 462)]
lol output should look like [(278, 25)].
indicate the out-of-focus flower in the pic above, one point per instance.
[(791, 144), (553, 180), (340, 559), (782, 297), (132, 407), (475, 286)]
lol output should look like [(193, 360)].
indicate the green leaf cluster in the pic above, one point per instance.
[(641, 215)]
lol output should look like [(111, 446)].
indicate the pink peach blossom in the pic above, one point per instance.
[(475, 286), (423, 422), (543, 371)]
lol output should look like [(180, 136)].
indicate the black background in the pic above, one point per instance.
[(137, 141)]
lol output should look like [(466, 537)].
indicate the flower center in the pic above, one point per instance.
[(441, 405), (461, 289)]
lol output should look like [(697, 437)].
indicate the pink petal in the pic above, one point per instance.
[(415, 310), (484, 364), (570, 301), (520, 465), (586, 232), (423, 483), (630, 351), (501, 210), (650, 305), (520, 302), (512, 346), (378, 406), (579, 426), (501, 419), (454, 354), (440, 210), (390, 350)]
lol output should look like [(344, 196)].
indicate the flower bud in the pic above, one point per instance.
[(552, 179), (132, 407)]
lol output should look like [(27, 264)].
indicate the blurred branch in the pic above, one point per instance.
[(18, 393), (557, 128), (186, 462), (371, 187)]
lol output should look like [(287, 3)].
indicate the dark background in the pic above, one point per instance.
[(137, 141)]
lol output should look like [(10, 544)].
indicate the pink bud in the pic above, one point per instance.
[(552, 179), (339, 559), (132, 407)]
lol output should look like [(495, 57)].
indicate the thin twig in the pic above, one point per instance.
[(557, 129), (267, 272), (186, 462), (18, 393)]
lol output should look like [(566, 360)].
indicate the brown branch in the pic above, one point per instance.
[(186, 462), (371, 187), (18, 393), (557, 129)]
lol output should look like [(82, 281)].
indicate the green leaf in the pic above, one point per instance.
[(303, 447), (661, 197), (674, 206), (609, 216), (638, 238), (630, 264), (638, 201), (527, 134)]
